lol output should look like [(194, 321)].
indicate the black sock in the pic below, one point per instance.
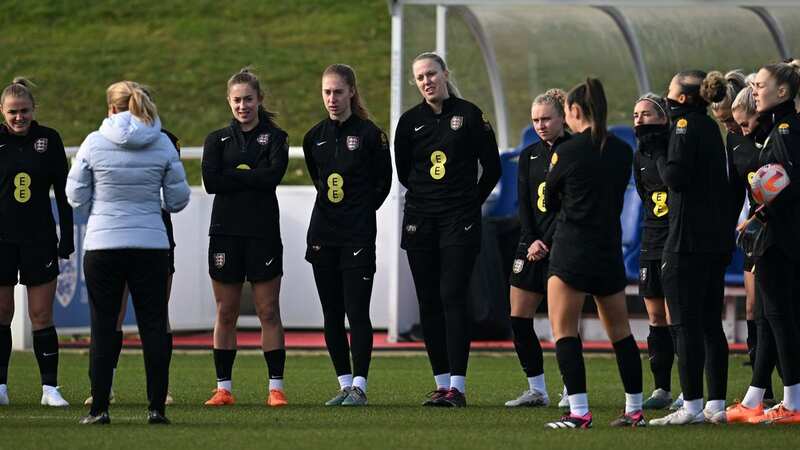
[(529, 351), (45, 347), (630, 364), (662, 356), (569, 354), (223, 362), (276, 361), (169, 348), (752, 340), (5, 352)]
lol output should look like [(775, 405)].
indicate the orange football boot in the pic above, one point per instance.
[(777, 416), (738, 413), (221, 397), (276, 398)]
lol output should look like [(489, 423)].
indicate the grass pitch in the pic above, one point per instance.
[(393, 419)]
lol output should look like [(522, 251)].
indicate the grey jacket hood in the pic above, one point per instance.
[(129, 132)]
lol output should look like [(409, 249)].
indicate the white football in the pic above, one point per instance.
[(768, 182)]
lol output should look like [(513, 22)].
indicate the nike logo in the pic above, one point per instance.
[(734, 148), (355, 253), (641, 169), (321, 143), (50, 354), (47, 266), (418, 128), (225, 138), (663, 266), (534, 157), (467, 228), (1, 146), (270, 261), (366, 278)]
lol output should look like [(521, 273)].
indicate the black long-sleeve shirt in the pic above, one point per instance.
[(351, 167), (437, 157), (243, 170), (29, 166), (586, 186), (165, 215), (782, 146), (696, 172), (535, 219), (653, 141)]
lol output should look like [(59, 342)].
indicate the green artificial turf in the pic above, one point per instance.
[(393, 419)]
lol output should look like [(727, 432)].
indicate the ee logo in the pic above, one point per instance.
[(335, 184), (22, 184), (438, 158), (660, 199)]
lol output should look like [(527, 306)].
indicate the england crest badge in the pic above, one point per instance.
[(40, 145), (219, 260), (456, 122), (263, 139), (353, 142)]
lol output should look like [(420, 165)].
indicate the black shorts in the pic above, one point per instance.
[(341, 258), (36, 263), (749, 263), (601, 285), (232, 259), (528, 275), (428, 233), (650, 279)]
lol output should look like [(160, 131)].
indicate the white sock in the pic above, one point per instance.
[(276, 384), (345, 381), (458, 382), (693, 406), (227, 385), (753, 397), (791, 397), (579, 404), (48, 388), (537, 384), (361, 383), (442, 381), (564, 392), (714, 406), (633, 402)]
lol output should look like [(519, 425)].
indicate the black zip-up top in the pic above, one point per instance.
[(745, 163), (534, 163), (653, 140), (586, 187), (437, 158), (351, 168), (165, 215), (29, 166), (243, 170), (783, 146), (695, 170)]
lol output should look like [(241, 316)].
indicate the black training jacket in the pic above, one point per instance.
[(437, 157), (586, 187), (535, 219), (745, 163), (243, 170), (351, 168), (29, 166), (783, 146), (165, 215), (695, 170), (653, 140)]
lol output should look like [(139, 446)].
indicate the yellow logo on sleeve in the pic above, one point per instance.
[(783, 128)]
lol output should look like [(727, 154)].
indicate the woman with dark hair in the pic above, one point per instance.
[(438, 146), (123, 174), (243, 164), (529, 275), (32, 160), (586, 188), (778, 248), (651, 124), (350, 165), (699, 243)]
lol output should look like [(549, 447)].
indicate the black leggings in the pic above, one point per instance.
[(778, 294), (694, 285), (441, 279), (346, 292)]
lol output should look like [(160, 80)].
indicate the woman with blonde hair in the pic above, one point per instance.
[(121, 174)]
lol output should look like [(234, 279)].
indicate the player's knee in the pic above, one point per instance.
[(41, 317)]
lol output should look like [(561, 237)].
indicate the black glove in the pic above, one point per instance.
[(65, 248)]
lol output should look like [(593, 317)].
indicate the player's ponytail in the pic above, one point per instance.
[(590, 97), (19, 87), (130, 96), (734, 83)]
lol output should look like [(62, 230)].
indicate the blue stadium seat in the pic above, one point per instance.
[(505, 205)]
